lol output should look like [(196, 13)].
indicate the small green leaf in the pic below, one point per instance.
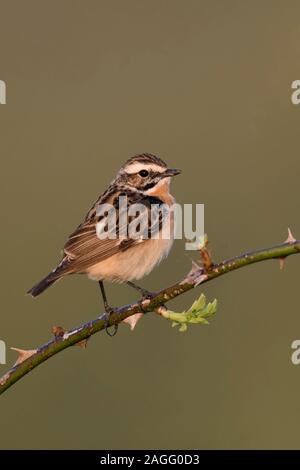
[(197, 313), (183, 327), (199, 243)]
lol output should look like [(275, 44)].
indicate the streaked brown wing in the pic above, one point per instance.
[(84, 248)]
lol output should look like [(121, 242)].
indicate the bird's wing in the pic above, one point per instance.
[(86, 247)]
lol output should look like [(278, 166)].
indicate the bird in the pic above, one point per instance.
[(144, 179)]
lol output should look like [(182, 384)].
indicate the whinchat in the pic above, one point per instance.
[(145, 180)]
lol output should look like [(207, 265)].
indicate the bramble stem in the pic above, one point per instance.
[(70, 338)]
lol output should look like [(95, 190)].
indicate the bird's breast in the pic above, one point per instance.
[(138, 260)]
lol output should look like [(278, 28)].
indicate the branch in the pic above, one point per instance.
[(208, 271)]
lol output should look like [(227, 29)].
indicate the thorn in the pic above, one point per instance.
[(132, 320), (23, 355), (290, 238), (282, 262), (195, 267), (200, 279), (5, 378), (58, 331), (193, 274), (83, 343)]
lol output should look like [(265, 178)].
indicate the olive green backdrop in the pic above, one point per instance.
[(206, 85)]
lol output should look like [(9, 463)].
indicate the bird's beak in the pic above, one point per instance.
[(170, 172)]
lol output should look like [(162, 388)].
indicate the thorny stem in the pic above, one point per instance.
[(70, 338)]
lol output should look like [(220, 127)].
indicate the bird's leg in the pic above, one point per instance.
[(145, 293), (108, 310)]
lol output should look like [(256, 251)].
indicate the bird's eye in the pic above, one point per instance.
[(143, 173)]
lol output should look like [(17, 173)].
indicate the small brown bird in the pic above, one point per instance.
[(144, 179)]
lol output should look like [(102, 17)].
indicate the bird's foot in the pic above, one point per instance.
[(147, 295), (109, 311)]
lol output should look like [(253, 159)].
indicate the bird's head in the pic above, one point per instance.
[(145, 172)]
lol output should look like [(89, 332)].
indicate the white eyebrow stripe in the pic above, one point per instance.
[(136, 167)]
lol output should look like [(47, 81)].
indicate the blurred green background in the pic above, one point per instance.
[(206, 85)]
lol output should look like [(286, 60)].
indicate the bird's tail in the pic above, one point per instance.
[(54, 276), (38, 288)]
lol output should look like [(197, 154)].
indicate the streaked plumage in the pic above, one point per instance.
[(120, 259)]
